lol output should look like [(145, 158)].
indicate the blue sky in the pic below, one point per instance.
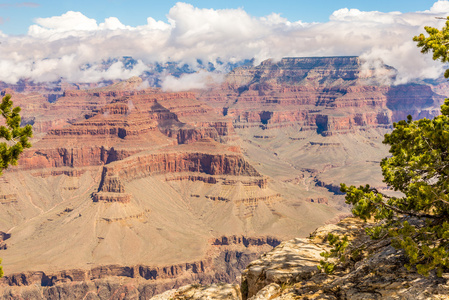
[(49, 40), (17, 16)]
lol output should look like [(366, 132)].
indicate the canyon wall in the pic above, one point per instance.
[(328, 95)]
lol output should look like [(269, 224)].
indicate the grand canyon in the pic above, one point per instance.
[(135, 190)]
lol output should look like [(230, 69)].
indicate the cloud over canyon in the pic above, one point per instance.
[(75, 47)]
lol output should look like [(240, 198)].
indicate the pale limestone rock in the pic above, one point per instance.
[(211, 292), (381, 275), (167, 295), (268, 292), (291, 261)]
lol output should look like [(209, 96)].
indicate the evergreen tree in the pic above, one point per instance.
[(16, 137), (417, 221)]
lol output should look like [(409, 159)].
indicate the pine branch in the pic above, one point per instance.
[(400, 211)]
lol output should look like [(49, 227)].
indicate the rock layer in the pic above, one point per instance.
[(329, 95)]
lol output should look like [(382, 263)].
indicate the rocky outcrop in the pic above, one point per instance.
[(139, 271), (245, 241), (190, 135), (198, 292), (319, 200), (104, 282), (8, 198), (3, 236), (290, 271), (111, 190), (111, 197), (293, 260), (219, 131), (175, 162), (72, 157), (213, 163)]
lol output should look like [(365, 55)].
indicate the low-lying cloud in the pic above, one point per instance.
[(199, 80), (75, 47)]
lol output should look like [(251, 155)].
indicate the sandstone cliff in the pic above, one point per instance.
[(130, 123)]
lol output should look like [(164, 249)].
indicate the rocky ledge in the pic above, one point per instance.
[(290, 271)]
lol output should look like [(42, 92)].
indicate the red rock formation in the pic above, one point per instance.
[(329, 95), (139, 133), (175, 162), (71, 157), (134, 122)]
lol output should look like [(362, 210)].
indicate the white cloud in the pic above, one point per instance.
[(199, 80), (70, 23), (62, 46), (144, 85), (113, 23), (440, 6)]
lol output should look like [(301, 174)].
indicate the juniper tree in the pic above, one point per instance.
[(418, 167), (16, 137)]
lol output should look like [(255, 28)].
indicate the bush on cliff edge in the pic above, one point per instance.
[(417, 222)]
